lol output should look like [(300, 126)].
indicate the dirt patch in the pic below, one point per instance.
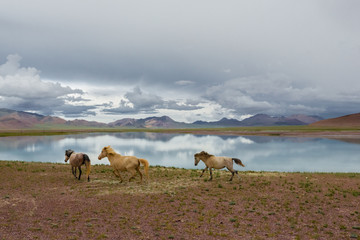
[(150, 187), (44, 201)]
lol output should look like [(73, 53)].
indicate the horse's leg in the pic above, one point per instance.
[(121, 179), (117, 174), (237, 174), (138, 170), (88, 170), (73, 169), (203, 171), (210, 174), (232, 175), (79, 172), (133, 173), (231, 169)]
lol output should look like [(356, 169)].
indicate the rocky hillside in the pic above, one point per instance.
[(352, 120), (11, 119), (151, 122)]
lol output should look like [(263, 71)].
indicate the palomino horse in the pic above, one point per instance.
[(76, 160), (212, 161), (124, 163)]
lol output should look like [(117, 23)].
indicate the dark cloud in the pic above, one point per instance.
[(244, 56), (276, 95), (72, 111), (139, 102)]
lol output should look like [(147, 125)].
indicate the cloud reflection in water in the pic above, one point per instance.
[(258, 153)]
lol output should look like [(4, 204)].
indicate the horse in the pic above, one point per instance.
[(212, 161), (124, 163), (76, 160)]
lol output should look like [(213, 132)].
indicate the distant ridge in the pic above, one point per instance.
[(150, 122), (263, 120), (351, 120), (11, 119), (225, 122)]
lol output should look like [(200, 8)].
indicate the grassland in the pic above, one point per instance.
[(44, 201), (269, 131)]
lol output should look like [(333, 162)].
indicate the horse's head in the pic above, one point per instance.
[(104, 152), (197, 160), (68, 154), (200, 156), (197, 157)]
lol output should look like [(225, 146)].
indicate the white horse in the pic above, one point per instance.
[(212, 161)]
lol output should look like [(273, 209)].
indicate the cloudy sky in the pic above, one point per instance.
[(190, 60)]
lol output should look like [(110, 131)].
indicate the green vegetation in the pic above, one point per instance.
[(270, 130)]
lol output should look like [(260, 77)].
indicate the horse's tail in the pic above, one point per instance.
[(238, 161), (146, 166), (88, 165)]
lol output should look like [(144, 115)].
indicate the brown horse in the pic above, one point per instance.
[(212, 161), (124, 163), (76, 160)]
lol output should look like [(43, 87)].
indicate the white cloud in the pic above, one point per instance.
[(12, 65), (25, 83), (23, 89)]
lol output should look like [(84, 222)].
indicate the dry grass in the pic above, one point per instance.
[(44, 201)]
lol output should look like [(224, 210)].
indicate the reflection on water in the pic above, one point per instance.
[(257, 152)]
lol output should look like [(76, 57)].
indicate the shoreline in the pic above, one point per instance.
[(246, 172), (292, 131)]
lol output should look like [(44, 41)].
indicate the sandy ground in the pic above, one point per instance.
[(44, 201)]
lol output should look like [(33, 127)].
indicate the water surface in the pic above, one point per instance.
[(258, 153)]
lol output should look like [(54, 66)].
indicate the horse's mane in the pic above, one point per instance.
[(109, 150), (205, 154), (69, 152)]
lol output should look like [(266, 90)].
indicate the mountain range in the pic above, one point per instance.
[(11, 119), (263, 120)]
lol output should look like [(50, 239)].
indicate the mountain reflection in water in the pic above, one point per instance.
[(258, 153)]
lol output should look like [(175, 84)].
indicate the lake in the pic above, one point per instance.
[(258, 153)]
